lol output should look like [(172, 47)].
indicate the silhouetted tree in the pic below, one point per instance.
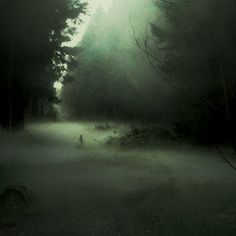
[(191, 46), (112, 79), (32, 55)]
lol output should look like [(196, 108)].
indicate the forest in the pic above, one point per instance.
[(117, 117), (170, 65), (166, 62)]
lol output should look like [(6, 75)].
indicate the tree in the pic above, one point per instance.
[(32, 55), (191, 46), (112, 79)]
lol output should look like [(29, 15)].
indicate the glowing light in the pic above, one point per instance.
[(81, 29), (103, 3), (58, 86)]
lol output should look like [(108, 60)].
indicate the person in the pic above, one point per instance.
[(81, 139)]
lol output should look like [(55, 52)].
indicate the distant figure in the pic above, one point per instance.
[(81, 140), (114, 132)]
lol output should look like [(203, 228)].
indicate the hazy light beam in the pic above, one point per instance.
[(81, 29)]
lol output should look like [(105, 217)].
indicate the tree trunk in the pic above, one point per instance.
[(35, 107), (16, 106)]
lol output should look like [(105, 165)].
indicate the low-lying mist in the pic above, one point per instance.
[(108, 190)]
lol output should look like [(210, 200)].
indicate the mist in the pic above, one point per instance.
[(117, 118)]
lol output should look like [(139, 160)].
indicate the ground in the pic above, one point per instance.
[(93, 189)]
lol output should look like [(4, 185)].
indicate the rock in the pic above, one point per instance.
[(14, 197)]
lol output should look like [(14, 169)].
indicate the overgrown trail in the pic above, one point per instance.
[(98, 190)]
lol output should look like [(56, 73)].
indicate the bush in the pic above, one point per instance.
[(144, 136)]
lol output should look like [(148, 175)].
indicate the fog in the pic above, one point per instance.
[(81, 29), (96, 189), (111, 69), (117, 118)]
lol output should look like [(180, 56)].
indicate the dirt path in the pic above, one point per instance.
[(95, 190)]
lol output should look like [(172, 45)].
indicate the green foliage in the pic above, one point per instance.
[(193, 50), (32, 55), (113, 79), (143, 136)]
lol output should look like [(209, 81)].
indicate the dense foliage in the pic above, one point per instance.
[(192, 47), (113, 79), (32, 55), (183, 76)]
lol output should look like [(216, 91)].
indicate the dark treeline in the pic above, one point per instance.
[(160, 61), (193, 49), (32, 55)]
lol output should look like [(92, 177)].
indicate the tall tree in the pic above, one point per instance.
[(113, 79), (191, 46), (32, 55)]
